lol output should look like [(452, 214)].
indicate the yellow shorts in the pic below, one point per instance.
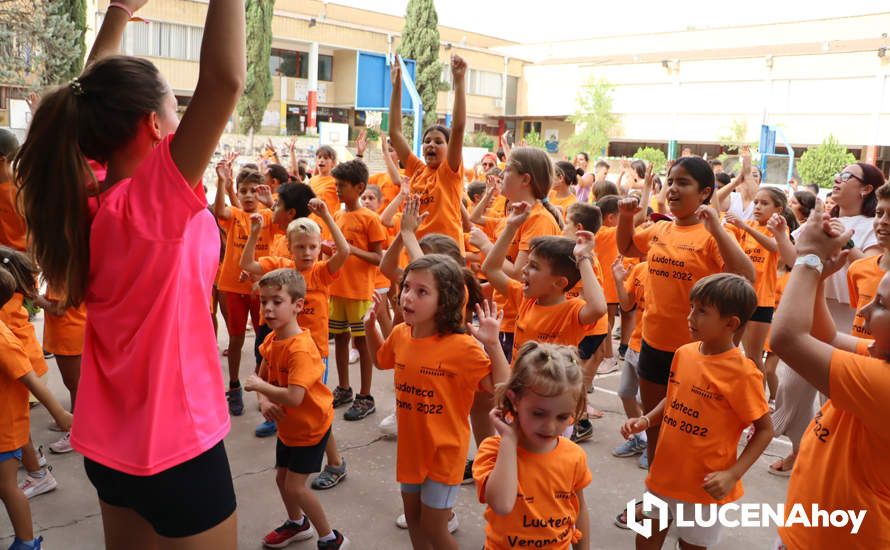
[(347, 316)]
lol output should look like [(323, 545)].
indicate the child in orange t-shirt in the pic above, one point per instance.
[(555, 265), (561, 195), (532, 479), (438, 178), (39, 478), (765, 241), (291, 392), (388, 182), (438, 369), (714, 393), (371, 199), (351, 293), (865, 274), (322, 182), (237, 292), (13, 232), (17, 377), (607, 251)]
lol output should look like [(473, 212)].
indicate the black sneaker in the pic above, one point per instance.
[(236, 401), (342, 397), (361, 407), (468, 473), (583, 430), (339, 542)]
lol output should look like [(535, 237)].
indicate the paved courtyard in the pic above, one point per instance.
[(365, 505)]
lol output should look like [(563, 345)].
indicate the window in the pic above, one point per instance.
[(141, 39), (169, 40), (530, 126), (484, 83), (283, 63), (196, 35), (325, 67), (296, 64)]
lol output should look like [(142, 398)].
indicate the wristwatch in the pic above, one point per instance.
[(811, 261)]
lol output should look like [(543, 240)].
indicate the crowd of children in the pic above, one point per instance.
[(492, 292)]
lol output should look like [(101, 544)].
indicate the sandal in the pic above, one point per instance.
[(621, 518), (329, 477), (781, 468)]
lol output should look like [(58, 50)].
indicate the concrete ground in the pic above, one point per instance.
[(365, 505)]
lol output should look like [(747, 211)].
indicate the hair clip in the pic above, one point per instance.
[(76, 87), (5, 260)]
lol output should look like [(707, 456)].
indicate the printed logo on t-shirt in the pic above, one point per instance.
[(706, 392), (819, 430)]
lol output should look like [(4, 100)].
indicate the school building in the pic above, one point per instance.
[(695, 88)]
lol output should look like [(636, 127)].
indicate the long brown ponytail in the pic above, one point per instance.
[(536, 163), (92, 117)]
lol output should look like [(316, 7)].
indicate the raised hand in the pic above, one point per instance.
[(732, 219), (405, 186), (505, 429), (777, 224), (619, 272), (411, 216), (458, 68), (256, 224), (318, 207), (361, 142), (710, 218), (584, 242), (478, 238), (629, 206), (489, 327), (519, 212), (264, 194), (395, 72)]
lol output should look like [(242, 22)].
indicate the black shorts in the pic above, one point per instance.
[(763, 315), (506, 339), (589, 345), (655, 364), (182, 501), (301, 460)]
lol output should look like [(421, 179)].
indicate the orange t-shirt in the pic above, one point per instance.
[(606, 246), (14, 409), (547, 506), (295, 361), (863, 277), (843, 456), (498, 208), (635, 285), (556, 324), (710, 400), (440, 193), (602, 324), (63, 335), (237, 230), (388, 188), (678, 256), (325, 188), (362, 228), (314, 316), (435, 381), (14, 315), (562, 203), (13, 232), (765, 263), (280, 247)]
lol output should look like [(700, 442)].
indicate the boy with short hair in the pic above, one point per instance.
[(238, 294), (323, 183), (555, 265), (291, 391), (714, 393), (351, 293)]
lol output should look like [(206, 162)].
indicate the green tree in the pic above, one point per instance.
[(420, 42), (819, 164), (655, 157), (533, 139), (479, 139), (735, 137), (593, 119), (36, 39), (258, 86)]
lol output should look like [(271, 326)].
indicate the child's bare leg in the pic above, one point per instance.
[(236, 342), (30, 460), (654, 542), (632, 407), (332, 455), (479, 419), (341, 353), (651, 394), (69, 367), (434, 523), (628, 324), (612, 310), (302, 497), (772, 379), (291, 505), (411, 502), (689, 546), (365, 364), (14, 499)]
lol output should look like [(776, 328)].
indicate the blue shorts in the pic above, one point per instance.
[(433, 494), (9, 455)]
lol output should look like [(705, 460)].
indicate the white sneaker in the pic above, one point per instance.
[(353, 356), (33, 486), (62, 446), (453, 523), (608, 366), (389, 427)]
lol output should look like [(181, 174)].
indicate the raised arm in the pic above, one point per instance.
[(620, 273), (411, 220), (223, 181), (391, 169), (220, 81), (387, 217), (624, 235), (389, 265), (734, 258), (648, 183), (477, 216), (779, 227), (765, 241), (592, 292), (399, 143), (493, 266), (248, 255), (108, 39), (458, 113)]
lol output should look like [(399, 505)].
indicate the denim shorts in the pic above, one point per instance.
[(9, 455), (434, 494)]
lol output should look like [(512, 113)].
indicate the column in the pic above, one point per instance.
[(312, 96)]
